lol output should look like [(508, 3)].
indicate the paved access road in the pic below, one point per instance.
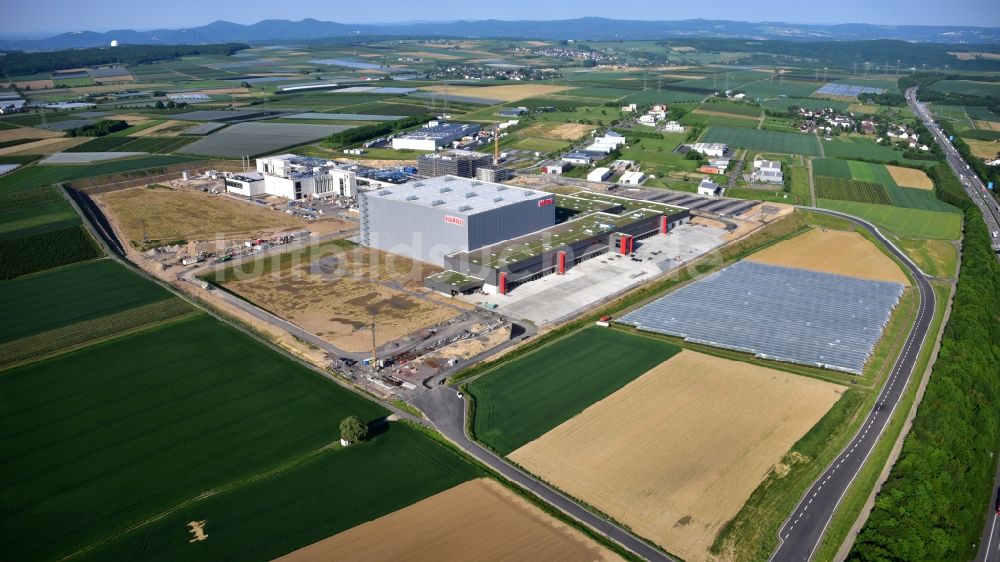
[(446, 410), (973, 186), (802, 531), (989, 547)]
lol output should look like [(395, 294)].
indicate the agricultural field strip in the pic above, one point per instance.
[(70, 337)]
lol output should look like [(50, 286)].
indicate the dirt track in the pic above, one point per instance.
[(833, 251), (477, 520), (676, 453)]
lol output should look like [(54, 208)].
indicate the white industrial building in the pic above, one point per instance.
[(709, 188), (632, 178), (189, 97), (434, 135), (673, 127), (557, 168), (294, 177), (767, 171), (598, 174), (715, 149), (610, 141)]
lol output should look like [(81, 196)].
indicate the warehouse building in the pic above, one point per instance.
[(767, 171), (614, 224), (429, 219), (599, 174), (434, 135), (294, 177), (714, 149), (461, 163)]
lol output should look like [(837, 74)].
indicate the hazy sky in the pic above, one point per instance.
[(55, 16)]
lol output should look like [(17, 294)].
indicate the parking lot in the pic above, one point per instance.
[(555, 297)]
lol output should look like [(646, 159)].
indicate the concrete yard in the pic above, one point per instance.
[(555, 297)]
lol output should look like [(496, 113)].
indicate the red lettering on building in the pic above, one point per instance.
[(546, 202), (454, 220)]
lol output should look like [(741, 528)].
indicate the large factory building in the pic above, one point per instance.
[(429, 219)]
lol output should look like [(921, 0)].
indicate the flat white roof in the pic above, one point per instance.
[(457, 195)]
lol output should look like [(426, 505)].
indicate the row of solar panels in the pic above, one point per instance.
[(782, 313), (722, 207)]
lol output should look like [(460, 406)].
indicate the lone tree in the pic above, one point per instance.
[(352, 430)]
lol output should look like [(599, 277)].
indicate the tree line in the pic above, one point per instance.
[(368, 132), (932, 505), (19, 63)]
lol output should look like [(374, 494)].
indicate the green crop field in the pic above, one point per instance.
[(903, 222), (34, 176), (771, 141), (45, 250), (324, 495), (733, 108), (71, 294), (851, 190), (968, 87), (29, 212), (97, 440), (521, 400), (872, 174)]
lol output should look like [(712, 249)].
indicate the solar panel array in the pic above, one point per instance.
[(848, 90), (780, 313)]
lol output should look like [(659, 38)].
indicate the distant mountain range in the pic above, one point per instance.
[(272, 31)]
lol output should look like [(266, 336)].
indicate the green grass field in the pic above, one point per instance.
[(851, 190), (968, 88), (522, 400), (772, 141), (851, 147), (869, 173), (71, 294), (99, 439), (733, 108), (324, 495), (903, 222)]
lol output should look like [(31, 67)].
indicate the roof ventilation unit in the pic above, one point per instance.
[(437, 202)]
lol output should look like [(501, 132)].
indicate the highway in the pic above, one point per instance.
[(446, 410), (801, 533), (989, 547), (973, 185)]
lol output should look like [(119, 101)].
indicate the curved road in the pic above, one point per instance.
[(802, 531), (446, 411)]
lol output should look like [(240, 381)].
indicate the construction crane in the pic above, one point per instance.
[(496, 146)]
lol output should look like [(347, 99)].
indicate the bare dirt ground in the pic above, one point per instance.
[(724, 114), (505, 93), (28, 133), (335, 294), (558, 131), (833, 251), (677, 452), (44, 146), (477, 520), (911, 177), (173, 214)]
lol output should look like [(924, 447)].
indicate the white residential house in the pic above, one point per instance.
[(673, 127), (709, 188)]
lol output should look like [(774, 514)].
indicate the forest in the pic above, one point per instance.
[(932, 505), (18, 63)]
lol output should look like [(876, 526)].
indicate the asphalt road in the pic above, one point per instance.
[(802, 531), (973, 186), (989, 547), (446, 411)]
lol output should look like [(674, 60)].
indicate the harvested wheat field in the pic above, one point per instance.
[(974, 55), (172, 214), (43, 146), (505, 93), (28, 133), (724, 114), (43, 84), (477, 520), (169, 128), (987, 125), (333, 292), (910, 177), (983, 149), (677, 452), (833, 251)]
